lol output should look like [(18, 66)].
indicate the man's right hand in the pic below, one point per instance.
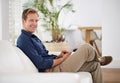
[(64, 54), (61, 58)]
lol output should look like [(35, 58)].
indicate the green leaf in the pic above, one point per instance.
[(51, 2)]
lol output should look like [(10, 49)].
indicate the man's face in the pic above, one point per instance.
[(31, 22)]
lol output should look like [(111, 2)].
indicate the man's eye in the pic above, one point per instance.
[(36, 20)]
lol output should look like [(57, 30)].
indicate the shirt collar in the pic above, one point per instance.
[(26, 33)]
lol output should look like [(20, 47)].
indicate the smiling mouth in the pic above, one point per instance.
[(34, 27)]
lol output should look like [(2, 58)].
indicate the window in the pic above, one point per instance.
[(15, 22)]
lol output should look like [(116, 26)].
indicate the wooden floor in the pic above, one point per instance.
[(111, 75)]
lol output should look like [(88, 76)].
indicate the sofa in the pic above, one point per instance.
[(16, 67)]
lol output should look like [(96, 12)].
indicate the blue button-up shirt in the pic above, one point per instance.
[(32, 46)]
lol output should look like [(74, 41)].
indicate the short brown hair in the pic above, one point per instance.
[(28, 11)]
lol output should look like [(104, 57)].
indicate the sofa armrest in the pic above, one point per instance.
[(85, 77), (40, 78)]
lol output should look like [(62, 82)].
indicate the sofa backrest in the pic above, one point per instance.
[(12, 60), (27, 63)]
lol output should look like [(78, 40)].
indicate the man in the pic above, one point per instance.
[(84, 59)]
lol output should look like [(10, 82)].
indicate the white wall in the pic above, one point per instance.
[(111, 27), (5, 19), (87, 13), (0, 21)]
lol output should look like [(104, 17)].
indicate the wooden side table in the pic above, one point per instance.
[(87, 36), (88, 30)]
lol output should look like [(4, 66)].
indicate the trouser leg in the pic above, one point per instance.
[(85, 55), (97, 75), (95, 70)]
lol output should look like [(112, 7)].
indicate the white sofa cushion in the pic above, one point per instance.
[(9, 60), (26, 62), (13, 60)]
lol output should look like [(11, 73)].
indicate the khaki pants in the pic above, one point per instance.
[(84, 59)]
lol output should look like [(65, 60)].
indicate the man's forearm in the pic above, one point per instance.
[(57, 61)]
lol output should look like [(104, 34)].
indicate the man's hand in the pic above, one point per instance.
[(61, 58), (64, 53)]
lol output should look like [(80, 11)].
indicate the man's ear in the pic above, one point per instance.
[(23, 20)]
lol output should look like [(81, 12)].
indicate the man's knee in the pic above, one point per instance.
[(86, 45)]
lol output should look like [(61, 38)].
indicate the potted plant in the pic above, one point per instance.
[(50, 11)]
